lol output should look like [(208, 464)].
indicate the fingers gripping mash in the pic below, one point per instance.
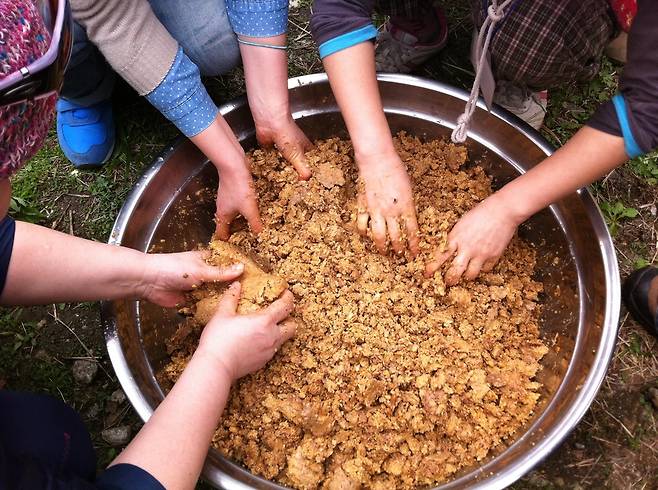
[(393, 380), (258, 288)]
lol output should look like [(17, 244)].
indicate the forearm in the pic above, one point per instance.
[(47, 266), (181, 428), (354, 83), (266, 78), (479, 238), (140, 49), (219, 144), (633, 112), (182, 98), (586, 157)]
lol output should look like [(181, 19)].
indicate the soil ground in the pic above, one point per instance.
[(614, 446)]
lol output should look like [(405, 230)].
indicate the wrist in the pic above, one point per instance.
[(219, 144), (272, 118), (514, 208), (232, 166), (146, 274), (214, 362), (379, 157)]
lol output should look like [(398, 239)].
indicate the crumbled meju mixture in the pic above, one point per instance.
[(393, 380)]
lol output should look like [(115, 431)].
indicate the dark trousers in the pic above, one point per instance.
[(43, 444)]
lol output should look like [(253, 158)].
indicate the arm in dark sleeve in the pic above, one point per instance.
[(26, 472), (633, 112), (127, 476), (340, 24)]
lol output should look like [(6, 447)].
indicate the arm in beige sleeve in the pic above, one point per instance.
[(141, 50), (130, 36)]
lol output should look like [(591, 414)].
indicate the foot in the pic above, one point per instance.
[(405, 44), (520, 101), (86, 134), (640, 294)]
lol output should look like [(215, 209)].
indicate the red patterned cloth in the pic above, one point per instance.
[(625, 11), (23, 126)]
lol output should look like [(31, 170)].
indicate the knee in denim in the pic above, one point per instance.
[(217, 57)]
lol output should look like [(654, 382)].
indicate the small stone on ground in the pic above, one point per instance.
[(93, 411), (118, 396), (84, 371), (117, 436)]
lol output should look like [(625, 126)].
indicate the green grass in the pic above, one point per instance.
[(571, 106), (635, 345), (23, 364), (646, 167), (615, 212), (18, 334), (641, 262), (49, 190)]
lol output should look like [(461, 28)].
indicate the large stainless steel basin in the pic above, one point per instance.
[(576, 262)]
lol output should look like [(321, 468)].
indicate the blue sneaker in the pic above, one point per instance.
[(86, 134)]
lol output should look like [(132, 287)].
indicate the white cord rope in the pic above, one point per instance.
[(495, 13)]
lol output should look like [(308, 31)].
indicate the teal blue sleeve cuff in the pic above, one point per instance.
[(348, 40), (632, 148)]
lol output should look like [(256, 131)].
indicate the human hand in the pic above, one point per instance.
[(236, 195), (476, 242), (166, 276), (242, 344), (386, 204), (288, 139)]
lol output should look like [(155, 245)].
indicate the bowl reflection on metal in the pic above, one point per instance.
[(576, 262)]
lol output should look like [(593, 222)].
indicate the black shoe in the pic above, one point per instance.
[(636, 297)]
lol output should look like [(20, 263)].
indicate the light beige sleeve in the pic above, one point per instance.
[(130, 36)]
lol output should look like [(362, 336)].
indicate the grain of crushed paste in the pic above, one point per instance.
[(393, 380)]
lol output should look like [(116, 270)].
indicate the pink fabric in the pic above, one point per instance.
[(23, 126)]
